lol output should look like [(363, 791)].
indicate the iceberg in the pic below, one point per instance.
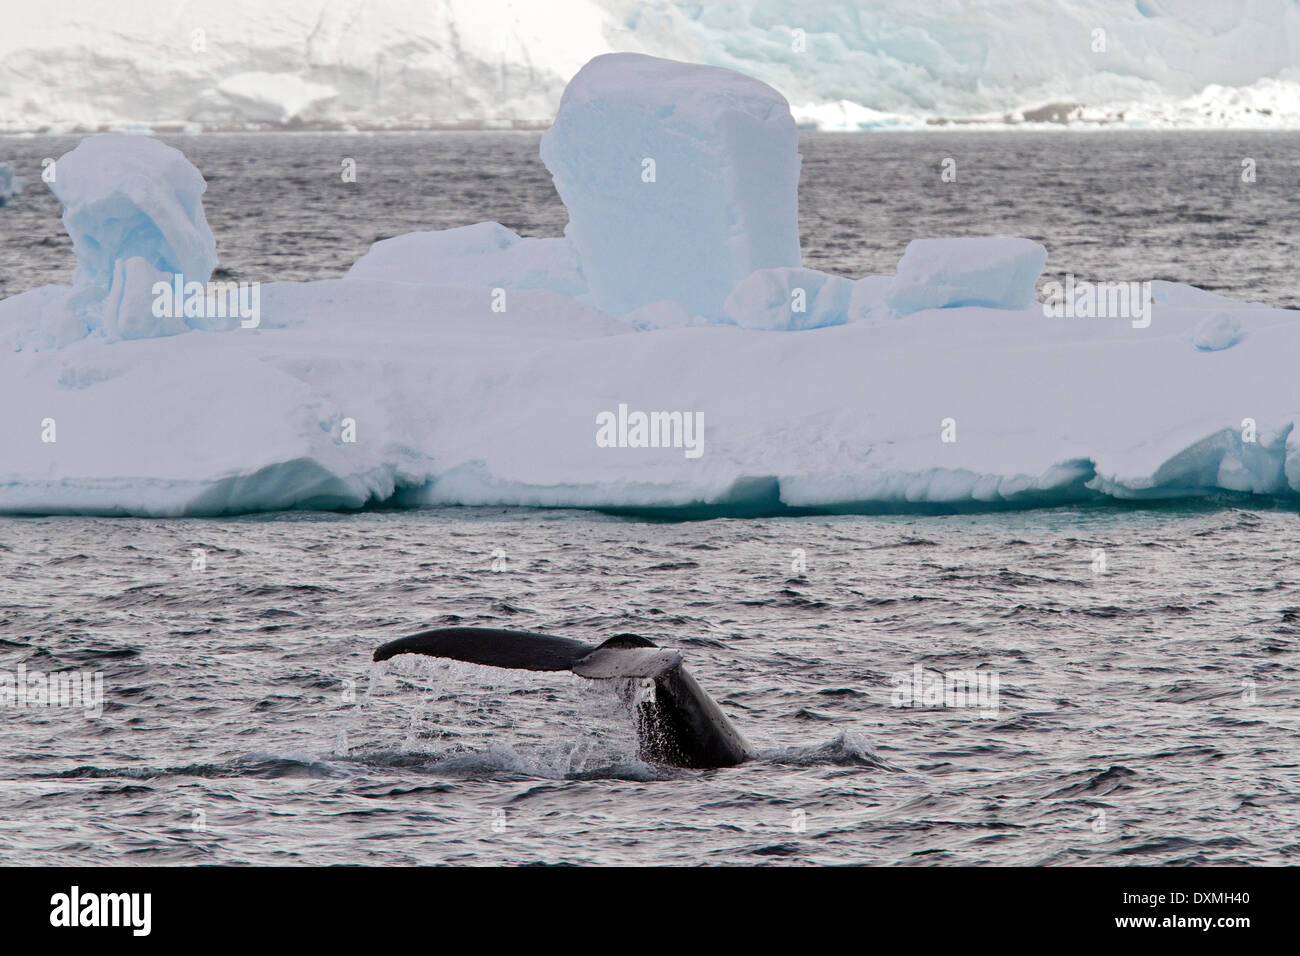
[(10, 184), (132, 196), (133, 209), (789, 300), (944, 387), (680, 180)]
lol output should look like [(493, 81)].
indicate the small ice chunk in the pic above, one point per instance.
[(10, 184), (680, 180), (789, 300), (994, 272), (130, 197), (870, 299), (486, 255), (1218, 331)]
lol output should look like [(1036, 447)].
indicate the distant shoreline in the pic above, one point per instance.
[(538, 126)]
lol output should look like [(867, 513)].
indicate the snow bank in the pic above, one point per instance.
[(999, 273), (485, 255), (789, 300), (869, 301), (680, 180)]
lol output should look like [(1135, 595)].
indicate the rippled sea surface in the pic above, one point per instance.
[(1146, 712)]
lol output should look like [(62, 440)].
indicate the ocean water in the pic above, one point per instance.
[(1144, 714), (1145, 659)]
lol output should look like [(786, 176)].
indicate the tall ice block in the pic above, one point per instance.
[(680, 180)]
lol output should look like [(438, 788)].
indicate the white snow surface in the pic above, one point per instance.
[(423, 63), (484, 255), (789, 300), (414, 387), (453, 403)]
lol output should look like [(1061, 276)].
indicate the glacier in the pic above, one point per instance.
[(234, 64), (471, 367)]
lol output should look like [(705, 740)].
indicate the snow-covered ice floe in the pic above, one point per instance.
[(701, 377)]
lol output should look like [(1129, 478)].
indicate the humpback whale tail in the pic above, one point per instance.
[(678, 724)]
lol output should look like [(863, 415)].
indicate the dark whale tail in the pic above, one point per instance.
[(492, 647), (679, 724)]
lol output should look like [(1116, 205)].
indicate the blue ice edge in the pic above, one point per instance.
[(304, 486)]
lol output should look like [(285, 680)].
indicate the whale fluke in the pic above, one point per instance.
[(647, 663), (520, 650), (678, 724)]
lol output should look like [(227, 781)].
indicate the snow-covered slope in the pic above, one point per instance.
[(420, 63)]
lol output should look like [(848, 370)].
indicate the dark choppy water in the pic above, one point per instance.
[(1111, 206), (1145, 715)]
